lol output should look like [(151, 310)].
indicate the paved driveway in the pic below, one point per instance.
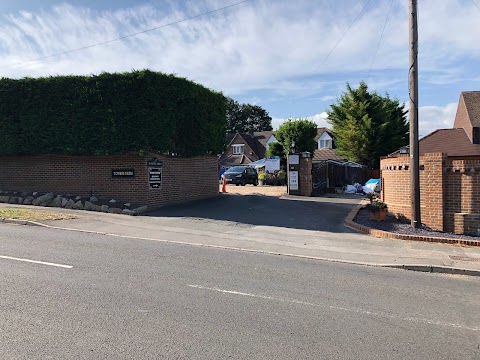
[(322, 214)]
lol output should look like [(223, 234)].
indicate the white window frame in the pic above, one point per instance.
[(325, 141), (238, 149)]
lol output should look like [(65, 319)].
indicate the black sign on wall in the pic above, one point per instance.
[(155, 177), (123, 173), (155, 163)]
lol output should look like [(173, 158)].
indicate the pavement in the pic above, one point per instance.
[(290, 226)]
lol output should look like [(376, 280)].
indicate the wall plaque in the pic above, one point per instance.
[(123, 173), (293, 180), (293, 159), (155, 177), (155, 163)]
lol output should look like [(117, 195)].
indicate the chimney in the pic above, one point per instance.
[(251, 132)]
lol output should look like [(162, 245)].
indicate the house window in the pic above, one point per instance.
[(325, 144), (238, 149), (325, 141)]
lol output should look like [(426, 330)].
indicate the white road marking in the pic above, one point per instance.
[(357, 311), (36, 262)]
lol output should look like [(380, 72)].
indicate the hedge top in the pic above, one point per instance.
[(110, 114)]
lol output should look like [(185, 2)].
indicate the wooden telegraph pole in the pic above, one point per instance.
[(413, 90)]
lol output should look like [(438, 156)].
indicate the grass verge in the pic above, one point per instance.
[(31, 215)]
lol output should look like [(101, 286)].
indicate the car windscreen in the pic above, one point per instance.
[(235, 169)]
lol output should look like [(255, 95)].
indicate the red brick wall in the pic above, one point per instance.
[(183, 179), (449, 191), (395, 182), (395, 175), (462, 194)]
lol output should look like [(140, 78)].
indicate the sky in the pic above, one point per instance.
[(293, 58)]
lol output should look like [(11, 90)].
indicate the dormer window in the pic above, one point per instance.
[(325, 141), (238, 149)]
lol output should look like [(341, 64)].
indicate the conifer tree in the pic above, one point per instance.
[(367, 125)]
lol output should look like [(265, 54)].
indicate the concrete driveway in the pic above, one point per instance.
[(319, 214)]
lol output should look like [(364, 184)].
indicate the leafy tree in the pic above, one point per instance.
[(302, 131), (367, 126), (276, 149), (243, 117)]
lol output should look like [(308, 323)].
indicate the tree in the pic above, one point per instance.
[(367, 126), (302, 131), (243, 117), (276, 149)]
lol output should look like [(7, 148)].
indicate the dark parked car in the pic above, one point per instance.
[(241, 175)]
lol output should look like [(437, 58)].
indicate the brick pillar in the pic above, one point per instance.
[(305, 176), (432, 188)]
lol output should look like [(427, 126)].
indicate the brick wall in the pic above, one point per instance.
[(395, 175), (462, 184), (183, 179), (449, 191), (395, 182)]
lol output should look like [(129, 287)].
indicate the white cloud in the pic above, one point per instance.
[(270, 51), (431, 118), (239, 49), (328, 98), (319, 119)]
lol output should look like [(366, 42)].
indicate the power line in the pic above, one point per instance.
[(380, 40), (474, 3), (126, 36), (339, 41)]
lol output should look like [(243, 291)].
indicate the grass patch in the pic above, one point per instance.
[(31, 215)]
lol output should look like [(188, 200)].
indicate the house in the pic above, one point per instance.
[(449, 174), (325, 147), (245, 148)]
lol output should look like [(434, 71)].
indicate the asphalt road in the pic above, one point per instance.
[(325, 214), (133, 299)]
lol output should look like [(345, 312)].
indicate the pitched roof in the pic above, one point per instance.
[(453, 142), (320, 132), (326, 154), (472, 103), (233, 160), (258, 143), (263, 136)]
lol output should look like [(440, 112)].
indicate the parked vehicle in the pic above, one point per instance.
[(241, 175)]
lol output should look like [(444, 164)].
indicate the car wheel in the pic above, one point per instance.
[(255, 182)]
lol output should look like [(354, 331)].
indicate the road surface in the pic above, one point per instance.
[(70, 295)]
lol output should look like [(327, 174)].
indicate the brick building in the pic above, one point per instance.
[(449, 174), (151, 179), (245, 148)]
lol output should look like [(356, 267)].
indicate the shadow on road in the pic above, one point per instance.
[(327, 215)]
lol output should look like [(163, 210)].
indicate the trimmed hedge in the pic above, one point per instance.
[(110, 114)]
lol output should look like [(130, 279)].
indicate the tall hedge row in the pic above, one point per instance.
[(110, 114)]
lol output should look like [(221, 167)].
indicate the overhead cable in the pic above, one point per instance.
[(126, 36)]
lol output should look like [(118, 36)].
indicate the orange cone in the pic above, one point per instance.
[(224, 185)]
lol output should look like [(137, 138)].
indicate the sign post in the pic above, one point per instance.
[(293, 169)]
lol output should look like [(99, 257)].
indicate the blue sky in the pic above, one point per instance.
[(283, 55)]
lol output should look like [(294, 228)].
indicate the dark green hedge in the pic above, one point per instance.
[(110, 114)]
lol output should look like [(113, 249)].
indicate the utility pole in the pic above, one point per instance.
[(413, 90)]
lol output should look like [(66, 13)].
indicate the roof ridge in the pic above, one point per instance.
[(437, 130)]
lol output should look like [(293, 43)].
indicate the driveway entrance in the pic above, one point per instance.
[(320, 214)]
